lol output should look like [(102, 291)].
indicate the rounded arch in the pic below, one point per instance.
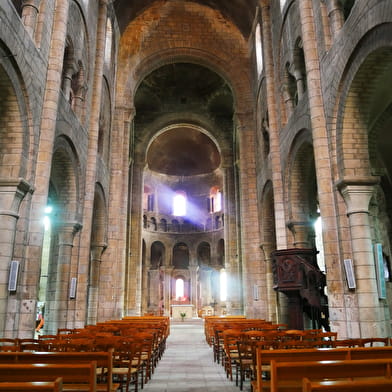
[(181, 256), (162, 151), (221, 253), (240, 87), (167, 122), (15, 150), (363, 97), (159, 49), (301, 185), (157, 255), (65, 177), (267, 218), (100, 218), (204, 254)]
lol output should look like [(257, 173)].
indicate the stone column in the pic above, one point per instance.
[(301, 233), (272, 295), (134, 272), (326, 190), (93, 290), (335, 15), (274, 134), (67, 80), (153, 291), (280, 223), (30, 9), (167, 289), (91, 169), (231, 263), (31, 274), (371, 310), (148, 280), (66, 233), (12, 192), (193, 273)]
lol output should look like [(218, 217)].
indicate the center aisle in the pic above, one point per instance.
[(188, 365)]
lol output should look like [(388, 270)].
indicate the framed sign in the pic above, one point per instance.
[(380, 271), (349, 269)]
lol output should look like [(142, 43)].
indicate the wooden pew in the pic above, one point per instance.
[(366, 385), (264, 357), (103, 359), (287, 376), (76, 377), (33, 386)]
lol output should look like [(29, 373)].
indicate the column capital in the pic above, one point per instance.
[(97, 251), (31, 3), (357, 193), (67, 231), (267, 248), (12, 192)]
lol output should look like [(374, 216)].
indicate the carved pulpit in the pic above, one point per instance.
[(296, 274)]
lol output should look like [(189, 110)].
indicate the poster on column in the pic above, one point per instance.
[(380, 271)]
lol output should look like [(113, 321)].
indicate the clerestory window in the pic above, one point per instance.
[(179, 204)]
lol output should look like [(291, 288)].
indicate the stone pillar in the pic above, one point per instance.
[(93, 290), (12, 192), (31, 274), (134, 272), (30, 9), (91, 169), (67, 81), (193, 300), (275, 154), (78, 100), (335, 15), (153, 291), (326, 190), (273, 311), (276, 168), (299, 78), (371, 310), (167, 289), (301, 233), (288, 99), (148, 281), (231, 262), (66, 233)]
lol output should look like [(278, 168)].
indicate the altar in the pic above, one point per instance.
[(176, 311)]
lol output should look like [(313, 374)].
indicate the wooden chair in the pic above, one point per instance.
[(247, 360), (127, 364), (146, 340), (29, 344), (370, 342), (230, 358), (347, 343)]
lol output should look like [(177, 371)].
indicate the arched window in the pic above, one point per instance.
[(179, 204), (108, 42), (319, 243), (179, 288), (259, 50), (215, 200)]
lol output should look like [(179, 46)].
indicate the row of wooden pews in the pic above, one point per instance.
[(109, 356), (277, 359)]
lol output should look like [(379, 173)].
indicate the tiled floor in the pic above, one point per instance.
[(188, 364)]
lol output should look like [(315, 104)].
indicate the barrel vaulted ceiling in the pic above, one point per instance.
[(240, 12)]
